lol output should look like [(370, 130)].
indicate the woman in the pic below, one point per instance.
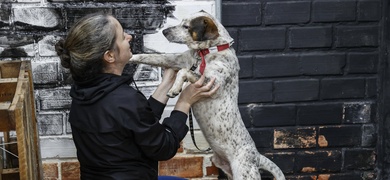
[(116, 129)]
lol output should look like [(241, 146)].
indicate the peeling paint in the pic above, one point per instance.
[(324, 177), (278, 143), (300, 138), (250, 108), (307, 141), (329, 153), (322, 142), (308, 169), (309, 152)]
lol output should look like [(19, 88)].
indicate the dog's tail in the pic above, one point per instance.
[(268, 165)]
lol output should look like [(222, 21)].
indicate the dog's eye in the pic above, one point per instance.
[(186, 27)]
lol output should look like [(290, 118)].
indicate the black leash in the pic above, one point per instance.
[(190, 120)]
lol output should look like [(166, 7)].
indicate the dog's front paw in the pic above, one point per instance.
[(172, 93)]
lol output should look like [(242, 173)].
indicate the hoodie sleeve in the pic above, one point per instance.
[(157, 141), (157, 107)]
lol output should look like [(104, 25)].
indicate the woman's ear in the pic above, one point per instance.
[(109, 56)]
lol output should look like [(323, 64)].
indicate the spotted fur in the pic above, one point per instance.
[(218, 117)]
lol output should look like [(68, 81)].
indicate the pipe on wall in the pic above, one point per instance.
[(218, 9)]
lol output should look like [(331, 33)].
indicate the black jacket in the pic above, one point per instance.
[(117, 132)]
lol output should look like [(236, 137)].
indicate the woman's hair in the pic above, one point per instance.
[(83, 49)]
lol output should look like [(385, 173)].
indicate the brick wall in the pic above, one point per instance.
[(310, 79), (309, 82)]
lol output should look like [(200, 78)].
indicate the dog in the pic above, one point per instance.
[(210, 53)]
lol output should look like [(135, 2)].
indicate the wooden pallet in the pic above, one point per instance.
[(17, 113)]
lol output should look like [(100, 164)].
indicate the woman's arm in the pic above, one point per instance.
[(168, 78), (161, 142), (159, 98)]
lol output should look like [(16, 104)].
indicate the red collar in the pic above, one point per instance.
[(203, 52)]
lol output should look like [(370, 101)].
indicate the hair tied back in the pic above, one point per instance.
[(63, 53)]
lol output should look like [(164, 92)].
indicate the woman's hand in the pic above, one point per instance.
[(168, 78), (195, 92)]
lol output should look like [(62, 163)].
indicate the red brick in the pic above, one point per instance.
[(50, 171), (211, 170), (70, 171), (181, 149), (187, 167)]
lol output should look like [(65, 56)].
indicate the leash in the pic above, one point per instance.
[(190, 121)]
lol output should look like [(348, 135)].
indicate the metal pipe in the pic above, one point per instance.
[(218, 10)]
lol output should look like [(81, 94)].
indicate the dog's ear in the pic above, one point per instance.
[(203, 28)]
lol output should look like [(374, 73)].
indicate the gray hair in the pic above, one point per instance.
[(83, 49)]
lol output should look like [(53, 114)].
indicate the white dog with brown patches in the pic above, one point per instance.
[(219, 118)]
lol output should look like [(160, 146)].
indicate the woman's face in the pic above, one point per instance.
[(123, 52)]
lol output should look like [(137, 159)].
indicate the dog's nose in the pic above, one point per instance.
[(165, 32)]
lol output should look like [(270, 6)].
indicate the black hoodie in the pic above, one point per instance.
[(117, 132)]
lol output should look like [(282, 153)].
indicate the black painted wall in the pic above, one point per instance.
[(314, 77), (311, 83)]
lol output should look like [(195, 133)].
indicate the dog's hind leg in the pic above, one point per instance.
[(245, 170), (182, 76), (223, 165)]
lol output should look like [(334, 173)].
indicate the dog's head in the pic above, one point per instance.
[(199, 27)]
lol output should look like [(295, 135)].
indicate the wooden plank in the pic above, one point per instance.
[(9, 69), (10, 171), (34, 121), (31, 123), (5, 123), (30, 148), (7, 90), (5, 105), (8, 80), (17, 115), (34, 155)]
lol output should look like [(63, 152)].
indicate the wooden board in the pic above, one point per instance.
[(18, 113), (7, 89), (5, 123), (9, 69)]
